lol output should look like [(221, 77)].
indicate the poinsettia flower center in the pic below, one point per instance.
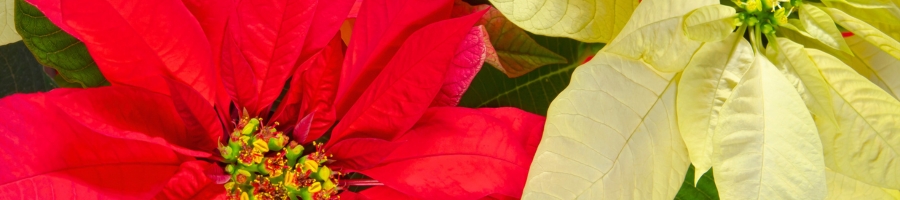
[(263, 164), (767, 14)]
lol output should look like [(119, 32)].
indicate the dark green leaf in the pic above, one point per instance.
[(54, 48), (20, 72), (534, 91), (705, 189)]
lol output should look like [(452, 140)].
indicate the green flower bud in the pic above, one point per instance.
[(229, 168), (323, 174), (293, 152), (767, 29), (328, 185), (251, 127), (277, 143)]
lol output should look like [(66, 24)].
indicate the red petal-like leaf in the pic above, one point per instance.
[(197, 114), (300, 131), (190, 182), (133, 113), (358, 154), (312, 90), (133, 44), (490, 151), (47, 154), (212, 16), (470, 55), (516, 52), (381, 192), (380, 29), (330, 14), (266, 37), (409, 83)]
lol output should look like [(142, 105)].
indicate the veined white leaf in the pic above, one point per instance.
[(882, 11), (584, 20), (866, 31), (841, 187), (7, 23), (802, 72), (766, 144), (820, 26), (656, 37), (880, 68), (867, 145), (611, 134), (710, 23), (705, 84)]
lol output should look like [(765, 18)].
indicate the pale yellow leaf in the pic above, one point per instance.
[(867, 145), (584, 20), (866, 31), (820, 26), (766, 146), (611, 134), (795, 64), (656, 37), (885, 11), (705, 84), (7, 23), (880, 68), (841, 187), (710, 23)]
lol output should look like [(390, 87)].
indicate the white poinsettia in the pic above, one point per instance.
[(729, 87), (7, 23)]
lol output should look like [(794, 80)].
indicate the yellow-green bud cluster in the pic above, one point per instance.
[(263, 166), (767, 14)]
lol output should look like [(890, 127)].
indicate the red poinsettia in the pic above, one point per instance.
[(396, 121)]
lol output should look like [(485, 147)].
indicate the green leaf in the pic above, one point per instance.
[(533, 91), (706, 83), (7, 24), (20, 73), (704, 189), (54, 48), (766, 145), (583, 20), (820, 26), (710, 23)]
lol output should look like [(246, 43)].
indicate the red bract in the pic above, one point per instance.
[(170, 62), (154, 132), (406, 65)]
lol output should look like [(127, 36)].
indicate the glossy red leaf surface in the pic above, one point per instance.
[(381, 28), (313, 89), (262, 43), (132, 47), (469, 57), (190, 182), (133, 113), (270, 38), (462, 153), (409, 84), (198, 116), (356, 154), (52, 152)]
